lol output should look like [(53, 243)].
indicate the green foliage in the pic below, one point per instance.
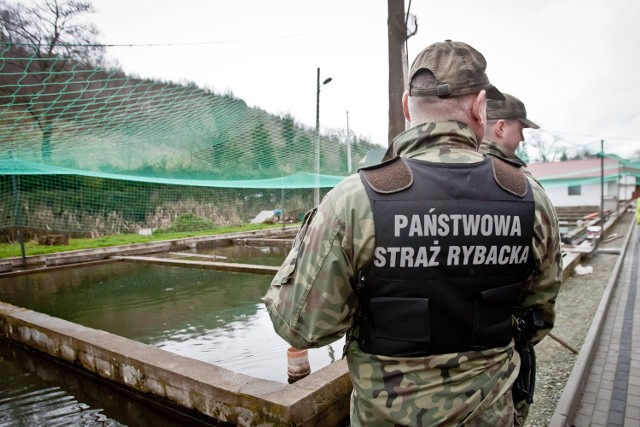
[(288, 130), (263, 151), (32, 248), (187, 222)]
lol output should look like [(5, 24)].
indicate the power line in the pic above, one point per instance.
[(598, 137), (248, 40), (207, 43)]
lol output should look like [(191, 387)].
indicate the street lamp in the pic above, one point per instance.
[(316, 194)]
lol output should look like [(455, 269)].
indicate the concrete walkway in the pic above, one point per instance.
[(604, 386)]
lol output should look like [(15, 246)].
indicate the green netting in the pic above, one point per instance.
[(89, 149)]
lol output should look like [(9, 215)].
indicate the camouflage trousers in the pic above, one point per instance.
[(458, 389), (500, 414)]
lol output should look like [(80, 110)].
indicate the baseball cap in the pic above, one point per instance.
[(458, 68), (510, 108)]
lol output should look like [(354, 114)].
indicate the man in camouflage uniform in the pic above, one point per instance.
[(322, 290), (505, 122)]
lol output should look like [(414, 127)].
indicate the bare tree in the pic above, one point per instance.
[(543, 144), (44, 45)]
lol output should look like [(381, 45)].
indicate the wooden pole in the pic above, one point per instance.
[(563, 343), (397, 36)]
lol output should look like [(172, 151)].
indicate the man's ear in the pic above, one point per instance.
[(405, 105), (479, 115), (499, 128), (479, 109)]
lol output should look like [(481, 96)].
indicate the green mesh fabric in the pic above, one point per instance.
[(79, 141), (88, 149)]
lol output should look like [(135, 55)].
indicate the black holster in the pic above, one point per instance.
[(525, 383), (526, 328)]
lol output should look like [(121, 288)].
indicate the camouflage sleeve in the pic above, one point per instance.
[(547, 279), (310, 300)]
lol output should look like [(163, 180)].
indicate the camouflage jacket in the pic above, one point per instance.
[(491, 147), (311, 303)]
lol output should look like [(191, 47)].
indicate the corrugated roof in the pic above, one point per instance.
[(586, 168), (584, 171)]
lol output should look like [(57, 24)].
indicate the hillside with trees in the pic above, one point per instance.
[(62, 104), (87, 148)]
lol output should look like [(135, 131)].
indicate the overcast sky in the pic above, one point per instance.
[(574, 63)]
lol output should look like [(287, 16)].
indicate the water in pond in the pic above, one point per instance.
[(213, 316), (36, 391)]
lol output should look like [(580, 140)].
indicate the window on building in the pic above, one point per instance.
[(575, 190)]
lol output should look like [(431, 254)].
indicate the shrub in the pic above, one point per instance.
[(188, 222)]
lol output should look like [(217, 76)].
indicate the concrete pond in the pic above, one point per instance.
[(197, 340)]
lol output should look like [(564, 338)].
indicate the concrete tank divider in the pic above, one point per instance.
[(211, 265), (104, 253), (88, 255), (321, 399)]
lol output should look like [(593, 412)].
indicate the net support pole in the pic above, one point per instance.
[(283, 209), (18, 216), (348, 146), (601, 194)]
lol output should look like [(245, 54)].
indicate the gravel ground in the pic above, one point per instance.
[(577, 303)]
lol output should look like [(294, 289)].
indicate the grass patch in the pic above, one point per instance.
[(32, 247)]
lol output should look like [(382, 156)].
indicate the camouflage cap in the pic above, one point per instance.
[(510, 108), (458, 68)]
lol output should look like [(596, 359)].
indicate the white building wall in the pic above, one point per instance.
[(590, 194), (627, 187)]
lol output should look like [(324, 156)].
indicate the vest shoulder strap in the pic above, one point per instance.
[(509, 176), (390, 176)]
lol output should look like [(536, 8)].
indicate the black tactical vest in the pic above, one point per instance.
[(453, 252)]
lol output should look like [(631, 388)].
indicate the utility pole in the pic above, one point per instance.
[(397, 37)]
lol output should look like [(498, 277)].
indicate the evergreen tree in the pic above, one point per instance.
[(262, 148)]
